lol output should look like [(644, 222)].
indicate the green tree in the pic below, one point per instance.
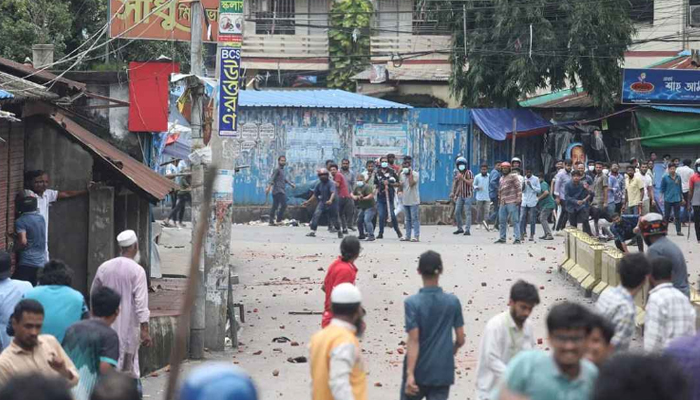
[(349, 41), (27, 22), (573, 43)]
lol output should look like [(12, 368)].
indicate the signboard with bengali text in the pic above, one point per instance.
[(161, 19), (661, 86), (380, 139), (229, 90)]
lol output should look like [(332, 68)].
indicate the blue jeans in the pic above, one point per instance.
[(612, 209), (528, 214), (460, 206), (412, 220), (505, 212), (676, 208), (364, 221)]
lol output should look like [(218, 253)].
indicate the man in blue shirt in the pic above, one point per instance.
[(11, 292), (623, 229), (63, 305), (325, 193), (31, 240), (431, 316), (672, 188), (483, 198), (561, 374), (577, 197), (494, 183), (528, 207)]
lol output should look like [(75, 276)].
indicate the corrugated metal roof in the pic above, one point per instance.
[(5, 95), (331, 98), (22, 70), (22, 89), (139, 177), (689, 110)]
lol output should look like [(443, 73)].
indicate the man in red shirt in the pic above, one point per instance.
[(342, 270), (345, 201)]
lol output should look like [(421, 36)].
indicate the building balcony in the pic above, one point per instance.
[(285, 52), (409, 49)]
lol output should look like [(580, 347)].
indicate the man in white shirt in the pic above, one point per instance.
[(648, 201), (505, 335), (38, 182), (685, 172)]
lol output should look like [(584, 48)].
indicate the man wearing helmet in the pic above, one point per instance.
[(220, 380), (337, 371), (463, 194), (694, 197), (654, 230), (325, 193), (517, 167)]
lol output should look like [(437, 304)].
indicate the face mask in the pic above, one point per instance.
[(591, 167), (385, 164), (698, 169), (605, 171), (405, 171), (137, 257), (462, 167), (360, 183)]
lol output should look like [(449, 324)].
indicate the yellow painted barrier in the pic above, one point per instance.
[(594, 268), (570, 247), (578, 272), (609, 258), (695, 301)]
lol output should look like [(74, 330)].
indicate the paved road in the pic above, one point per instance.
[(281, 270)]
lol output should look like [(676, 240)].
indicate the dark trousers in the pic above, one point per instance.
[(696, 220), (346, 210), (563, 218), (493, 217), (676, 207), (638, 238), (178, 212), (580, 216), (381, 208), (26, 273), (279, 201), (331, 211)]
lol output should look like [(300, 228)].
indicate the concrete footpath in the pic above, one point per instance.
[(281, 271)]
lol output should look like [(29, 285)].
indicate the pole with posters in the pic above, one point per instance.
[(217, 252)]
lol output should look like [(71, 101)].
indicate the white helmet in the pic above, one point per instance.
[(697, 162), (515, 159)]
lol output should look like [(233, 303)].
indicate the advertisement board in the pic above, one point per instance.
[(375, 140), (229, 89), (661, 86)]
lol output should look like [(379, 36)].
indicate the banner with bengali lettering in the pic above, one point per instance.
[(661, 86), (230, 21), (229, 89), (161, 19)]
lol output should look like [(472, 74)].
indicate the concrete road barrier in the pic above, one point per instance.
[(579, 272), (570, 250)]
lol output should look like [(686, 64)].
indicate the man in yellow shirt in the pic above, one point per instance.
[(635, 192), (337, 371)]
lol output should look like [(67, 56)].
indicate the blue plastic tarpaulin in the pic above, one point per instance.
[(497, 123)]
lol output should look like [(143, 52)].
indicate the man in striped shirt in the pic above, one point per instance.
[(669, 314), (510, 195), (462, 195)]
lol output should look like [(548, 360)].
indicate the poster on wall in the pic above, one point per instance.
[(311, 144), (375, 140), (229, 89)]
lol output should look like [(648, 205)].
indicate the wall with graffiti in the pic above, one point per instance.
[(309, 137)]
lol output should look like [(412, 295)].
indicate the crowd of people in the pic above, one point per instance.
[(590, 355), (596, 196)]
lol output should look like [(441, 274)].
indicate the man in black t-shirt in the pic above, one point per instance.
[(92, 344)]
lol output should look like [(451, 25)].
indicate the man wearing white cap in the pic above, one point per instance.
[(125, 276), (337, 371)]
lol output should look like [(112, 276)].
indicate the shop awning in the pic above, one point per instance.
[(663, 126), (497, 123)]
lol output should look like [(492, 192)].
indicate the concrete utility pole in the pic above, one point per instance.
[(198, 318)]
